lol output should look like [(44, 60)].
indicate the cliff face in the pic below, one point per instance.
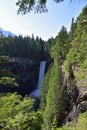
[(76, 88), (26, 74)]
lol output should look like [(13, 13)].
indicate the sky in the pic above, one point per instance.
[(45, 25)]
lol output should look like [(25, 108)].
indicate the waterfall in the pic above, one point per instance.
[(41, 73), (36, 93)]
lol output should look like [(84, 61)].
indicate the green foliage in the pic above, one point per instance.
[(61, 46), (7, 78), (72, 30), (55, 101), (84, 65), (28, 52), (18, 113), (81, 75), (44, 89), (25, 47), (78, 53), (49, 111), (6, 73), (5, 60), (7, 81), (81, 123), (82, 21), (48, 45), (33, 5)]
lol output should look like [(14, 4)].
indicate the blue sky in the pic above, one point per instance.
[(43, 25)]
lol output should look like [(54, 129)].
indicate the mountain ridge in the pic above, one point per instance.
[(6, 33)]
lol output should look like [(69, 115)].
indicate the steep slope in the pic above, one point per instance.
[(66, 91), (75, 70)]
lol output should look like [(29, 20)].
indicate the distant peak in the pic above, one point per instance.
[(6, 33)]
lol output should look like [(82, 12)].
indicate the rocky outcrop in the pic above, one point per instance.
[(76, 96), (82, 103), (23, 61)]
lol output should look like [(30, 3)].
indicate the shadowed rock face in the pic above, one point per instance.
[(26, 75), (76, 97)]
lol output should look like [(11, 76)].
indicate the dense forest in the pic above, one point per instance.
[(62, 104)]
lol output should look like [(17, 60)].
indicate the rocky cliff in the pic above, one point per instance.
[(75, 83), (25, 72)]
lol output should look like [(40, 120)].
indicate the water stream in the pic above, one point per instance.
[(36, 93)]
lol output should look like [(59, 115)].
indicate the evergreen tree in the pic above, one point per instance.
[(72, 30), (78, 53), (30, 48), (38, 6), (56, 100), (44, 89), (7, 78), (61, 46), (56, 96), (82, 20)]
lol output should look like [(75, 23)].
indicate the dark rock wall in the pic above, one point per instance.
[(76, 101), (26, 73)]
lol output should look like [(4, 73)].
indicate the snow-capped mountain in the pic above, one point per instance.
[(6, 33)]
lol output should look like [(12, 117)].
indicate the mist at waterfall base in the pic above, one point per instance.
[(36, 93)]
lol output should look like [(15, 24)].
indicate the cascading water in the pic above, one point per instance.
[(36, 93), (41, 73)]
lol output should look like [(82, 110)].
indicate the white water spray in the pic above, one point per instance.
[(36, 93)]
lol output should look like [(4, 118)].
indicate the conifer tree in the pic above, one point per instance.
[(44, 89), (26, 6), (56, 101), (72, 30), (61, 45), (78, 53)]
